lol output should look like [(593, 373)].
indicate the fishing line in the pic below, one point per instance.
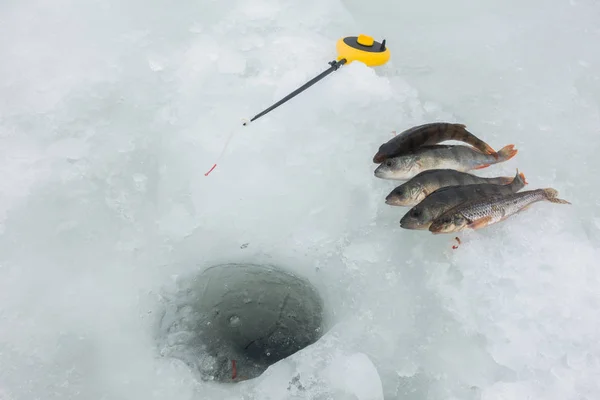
[(360, 48), (227, 141)]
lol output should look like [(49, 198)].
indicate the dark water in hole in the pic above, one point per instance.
[(253, 314)]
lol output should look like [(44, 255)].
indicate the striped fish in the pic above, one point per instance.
[(415, 190), (477, 214), (438, 202), (426, 135), (459, 158)]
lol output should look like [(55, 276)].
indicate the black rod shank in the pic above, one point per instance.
[(334, 66)]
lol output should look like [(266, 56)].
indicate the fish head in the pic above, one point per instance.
[(448, 223), (406, 194), (417, 218), (400, 168)]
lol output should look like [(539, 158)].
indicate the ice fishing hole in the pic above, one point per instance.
[(254, 315)]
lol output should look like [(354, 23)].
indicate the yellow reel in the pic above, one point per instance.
[(364, 49)]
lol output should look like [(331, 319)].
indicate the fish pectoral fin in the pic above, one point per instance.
[(482, 166), (480, 223)]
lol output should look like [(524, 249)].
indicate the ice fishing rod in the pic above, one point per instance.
[(361, 48), (334, 66)]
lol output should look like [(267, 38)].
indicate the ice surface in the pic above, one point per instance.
[(110, 113)]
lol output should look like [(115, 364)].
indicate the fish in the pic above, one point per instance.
[(423, 184), (423, 214), (479, 213), (459, 158), (428, 134)]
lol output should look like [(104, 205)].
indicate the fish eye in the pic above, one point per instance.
[(388, 163), (415, 213)]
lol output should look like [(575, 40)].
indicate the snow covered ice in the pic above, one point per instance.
[(111, 112)]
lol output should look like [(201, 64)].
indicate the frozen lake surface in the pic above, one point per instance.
[(111, 112)]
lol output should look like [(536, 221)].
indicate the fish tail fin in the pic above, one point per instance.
[(489, 149), (552, 196), (474, 141), (522, 175), (506, 153), (519, 181)]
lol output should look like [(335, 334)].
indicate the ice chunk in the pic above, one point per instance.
[(355, 375), (321, 371)]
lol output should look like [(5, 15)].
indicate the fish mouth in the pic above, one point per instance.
[(393, 201), (412, 226), (380, 173), (384, 173)]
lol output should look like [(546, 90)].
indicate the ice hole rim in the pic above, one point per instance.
[(229, 322)]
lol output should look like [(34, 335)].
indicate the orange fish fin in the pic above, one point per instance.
[(482, 166), (522, 175), (490, 150), (480, 223), (507, 152)]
